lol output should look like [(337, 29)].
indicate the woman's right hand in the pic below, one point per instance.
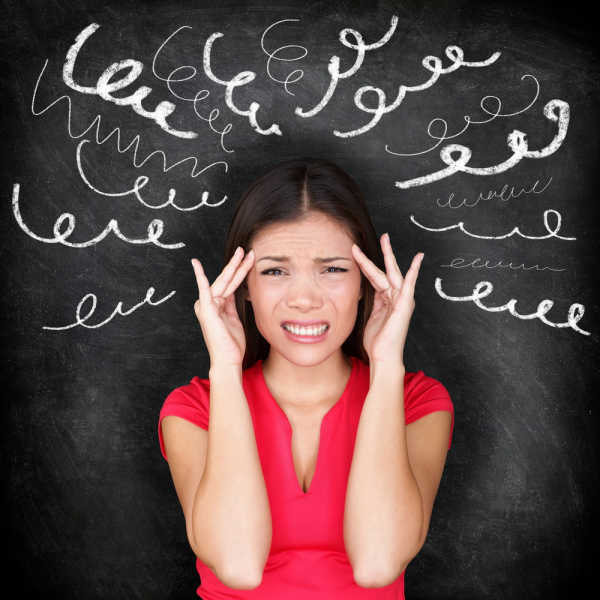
[(216, 311)]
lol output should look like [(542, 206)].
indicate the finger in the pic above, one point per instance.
[(391, 265), (230, 308), (199, 269), (240, 274), (204, 293), (411, 275), (373, 273), (221, 283)]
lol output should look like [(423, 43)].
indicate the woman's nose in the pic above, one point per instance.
[(305, 290)]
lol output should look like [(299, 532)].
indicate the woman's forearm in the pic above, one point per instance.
[(231, 508), (383, 513)]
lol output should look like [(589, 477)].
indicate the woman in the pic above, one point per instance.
[(317, 475)]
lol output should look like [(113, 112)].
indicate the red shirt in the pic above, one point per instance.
[(307, 558)]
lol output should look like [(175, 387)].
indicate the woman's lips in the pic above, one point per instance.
[(306, 339), (305, 323)]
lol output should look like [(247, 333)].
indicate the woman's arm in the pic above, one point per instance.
[(393, 480), (226, 506)]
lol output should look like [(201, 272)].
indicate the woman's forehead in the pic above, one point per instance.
[(323, 233)]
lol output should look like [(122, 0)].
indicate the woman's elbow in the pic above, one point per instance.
[(376, 577), (232, 575), (240, 579)]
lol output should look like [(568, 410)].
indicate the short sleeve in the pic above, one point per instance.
[(424, 395), (190, 402)]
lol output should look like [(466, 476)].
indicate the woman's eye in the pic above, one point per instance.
[(268, 271)]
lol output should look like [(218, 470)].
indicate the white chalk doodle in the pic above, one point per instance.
[(118, 310), (505, 194), (555, 110), (478, 263), (200, 94), (575, 313), (515, 231), (116, 131), (241, 79), (155, 229), (431, 63), (469, 121), (273, 56), (104, 88), (139, 183)]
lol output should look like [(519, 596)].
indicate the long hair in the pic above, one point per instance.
[(286, 194)]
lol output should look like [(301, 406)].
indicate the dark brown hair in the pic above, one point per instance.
[(286, 194)]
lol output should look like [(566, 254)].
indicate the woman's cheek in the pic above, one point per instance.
[(345, 288)]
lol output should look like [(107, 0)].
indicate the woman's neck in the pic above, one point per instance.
[(307, 388)]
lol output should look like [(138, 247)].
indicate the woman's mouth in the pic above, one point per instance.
[(306, 334)]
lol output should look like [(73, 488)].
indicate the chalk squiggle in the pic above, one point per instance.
[(135, 142), (155, 229), (469, 121), (460, 263), (431, 63), (118, 310), (575, 314), (105, 87), (555, 110), (214, 113), (493, 194), (273, 56), (241, 79), (140, 182), (460, 225), (334, 67)]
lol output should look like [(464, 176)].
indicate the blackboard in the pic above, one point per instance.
[(472, 128)]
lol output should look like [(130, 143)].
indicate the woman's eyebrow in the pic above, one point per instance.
[(317, 260)]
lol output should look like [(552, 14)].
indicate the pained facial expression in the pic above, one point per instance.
[(302, 289)]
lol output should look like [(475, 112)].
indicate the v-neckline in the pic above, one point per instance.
[(280, 410)]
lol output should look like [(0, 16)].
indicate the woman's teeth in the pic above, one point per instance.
[(305, 330)]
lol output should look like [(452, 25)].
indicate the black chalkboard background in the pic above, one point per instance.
[(89, 510)]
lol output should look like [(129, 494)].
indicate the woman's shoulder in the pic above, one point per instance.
[(420, 380), (195, 390), (419, 384), (190, 401)]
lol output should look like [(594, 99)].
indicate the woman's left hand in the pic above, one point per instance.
[(387, 327)]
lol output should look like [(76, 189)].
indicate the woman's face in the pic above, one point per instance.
[(301, 288)]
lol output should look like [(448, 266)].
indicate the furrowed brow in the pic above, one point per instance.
[(317, 260)]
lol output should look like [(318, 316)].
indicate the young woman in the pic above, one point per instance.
[(308, 462)]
